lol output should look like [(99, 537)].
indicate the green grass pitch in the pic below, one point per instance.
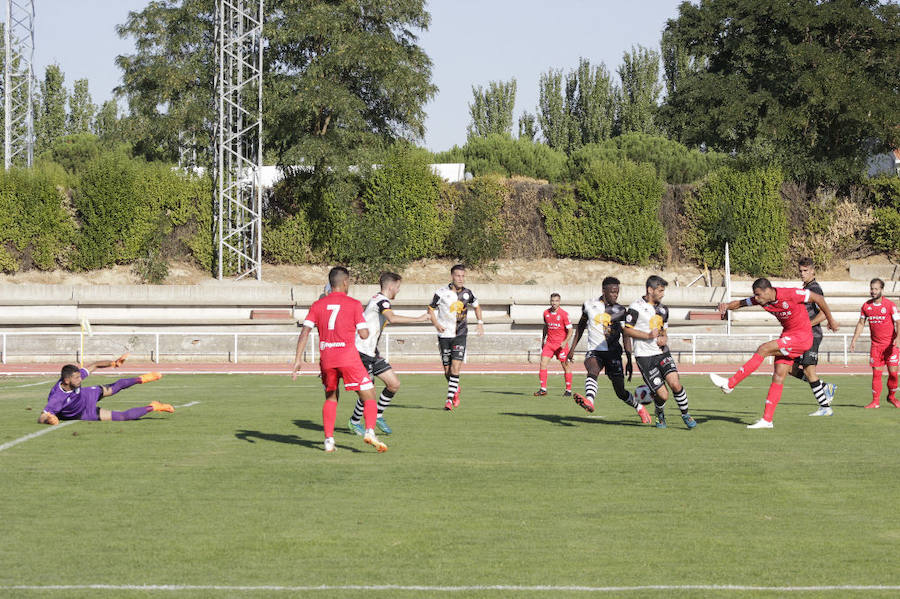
[(506, 490)]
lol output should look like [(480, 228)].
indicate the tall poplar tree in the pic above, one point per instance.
[(50, 121), (491, 109)]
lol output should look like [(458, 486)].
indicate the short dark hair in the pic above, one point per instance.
[(610, 281), (554, 294), (762, 283), (806, 261), (388, 277), (457, 267), (67, 371), (337, 275), (877, 280), (655, 282)]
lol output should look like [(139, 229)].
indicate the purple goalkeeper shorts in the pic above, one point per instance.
[(89, 397)]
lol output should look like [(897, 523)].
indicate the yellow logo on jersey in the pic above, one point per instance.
[(656, 322), (456, 307), (603, 320)]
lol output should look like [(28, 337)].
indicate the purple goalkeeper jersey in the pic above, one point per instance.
[(77, 404)]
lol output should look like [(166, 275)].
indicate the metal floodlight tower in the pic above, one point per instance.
[(239, 137), (18, 83)]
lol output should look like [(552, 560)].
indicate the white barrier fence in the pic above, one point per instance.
[(214, 346)]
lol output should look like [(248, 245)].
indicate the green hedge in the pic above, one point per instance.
[(402, 219), (674, 162), (744, 209), (36, 227), (478, 229), (127, 207), (884, 193), (612, 214), (502, 155)]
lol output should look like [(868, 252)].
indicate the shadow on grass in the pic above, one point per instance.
[(408, 407), (253, 436), (706, 417), (519, 393), (561, 420)]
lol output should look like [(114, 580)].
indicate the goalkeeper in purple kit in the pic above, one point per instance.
[(69, 400)]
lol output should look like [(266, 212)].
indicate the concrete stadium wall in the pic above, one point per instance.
[(135, 313)]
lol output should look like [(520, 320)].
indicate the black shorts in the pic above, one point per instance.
[(607, 360), (452, 348), (374, 366), (811, 356), (655, 369)]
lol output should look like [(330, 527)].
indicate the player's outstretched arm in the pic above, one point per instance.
[(48, 418), (857, 331), (732, 305), (823, 306), (101, 364), (301, 347), (629, 365), (433, 316), (480, 320), (897, 333), (628, 331), (576, 337), (400, 319)]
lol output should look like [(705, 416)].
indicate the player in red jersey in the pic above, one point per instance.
[(788, 306), (555, 340), (884, 328), (338, 317)]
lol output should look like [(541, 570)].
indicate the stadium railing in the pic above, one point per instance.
[(186, 346)]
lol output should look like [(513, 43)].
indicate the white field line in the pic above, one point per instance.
[(28, 385), (50, 429), (453, 589)]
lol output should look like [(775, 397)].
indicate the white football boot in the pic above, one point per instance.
[(721, 382)]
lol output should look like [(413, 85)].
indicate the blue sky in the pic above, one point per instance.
[(470, 43)]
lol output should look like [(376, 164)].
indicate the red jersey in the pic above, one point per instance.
[(557, 324), (789, 308), (337, 316), (881, 317)]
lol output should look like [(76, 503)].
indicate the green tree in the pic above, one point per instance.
[(344, 77), (527, 126), (491, 109), (503, 155), (169, 81), (106, 125), (340, 78), (639, 73), (81, 109), (577, 109), (810, 84), (553, 116), (50, 123), (678, 64), (593, 106)]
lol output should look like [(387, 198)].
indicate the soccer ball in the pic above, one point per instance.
[(644, 395)]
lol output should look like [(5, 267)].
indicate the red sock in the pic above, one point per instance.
[(772, 400), (745, 370), (542, 375), (892, 385), (876, 384), (329, 415), (569, 381), (370, 412)]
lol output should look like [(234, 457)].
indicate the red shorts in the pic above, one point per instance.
[(792, 346), (560, 351), (881, 355), (355, 376)]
